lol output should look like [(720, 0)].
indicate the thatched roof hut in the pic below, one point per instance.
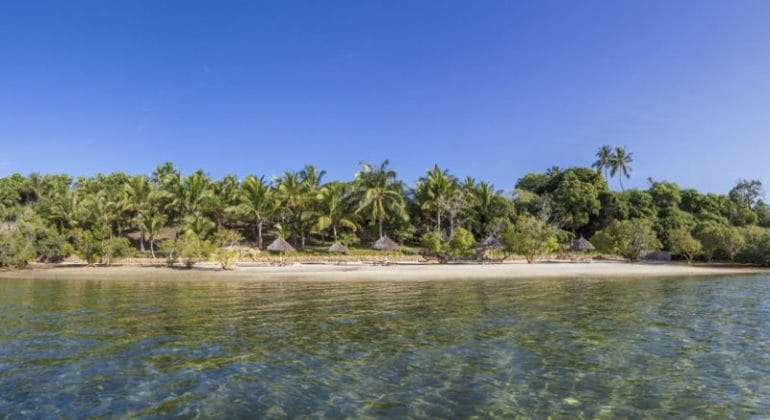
[(489, 243), (385, 244), (582, 245), (280, 245), (338, 248)]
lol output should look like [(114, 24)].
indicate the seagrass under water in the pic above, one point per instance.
[(614, 348)]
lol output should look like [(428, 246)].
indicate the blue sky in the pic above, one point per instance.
[(492, 89)]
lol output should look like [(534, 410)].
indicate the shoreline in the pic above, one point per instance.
[(394, 272)]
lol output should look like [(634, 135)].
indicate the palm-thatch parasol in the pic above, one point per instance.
[(338, 248), (385, 244), (483, 247), (582, 245), (281, 246), (489, 243)]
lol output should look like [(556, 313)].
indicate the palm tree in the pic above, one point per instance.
[(435, 190), (152, 224), (256, 203), (331, 200), (224, 199), (311, 177), (137, 196), (380, 193), (603, 160), (292, 194), (620, 163)]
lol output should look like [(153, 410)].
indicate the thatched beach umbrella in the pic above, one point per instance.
[(490, 243), (281, 246), (582, 245), (483, 247), (385, 244), (338, 248)]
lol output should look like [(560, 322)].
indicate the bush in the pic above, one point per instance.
[(53, 246), (116, 247), (86, 246), (627, 238), (530, 237), (193, 249), (461, 244), (434, 243), (683, 243), (16, 250)]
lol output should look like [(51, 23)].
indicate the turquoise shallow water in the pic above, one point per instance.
[(597, 348)]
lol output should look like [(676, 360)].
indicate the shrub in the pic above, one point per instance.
[(683, 243)]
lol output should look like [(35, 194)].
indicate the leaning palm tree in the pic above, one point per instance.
[(620, 163), (380, 193), (603, 160)]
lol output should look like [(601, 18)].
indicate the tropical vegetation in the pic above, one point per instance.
[(187, 218)]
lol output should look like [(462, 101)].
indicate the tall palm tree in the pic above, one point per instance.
[(603, 160), (331, 202), (137, 196), (256, 203), (434, 191), (311, 177), (620, 163), (380, 193), (224, 199), (292, 194)]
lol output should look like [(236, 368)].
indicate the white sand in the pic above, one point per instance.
[(511, 270)]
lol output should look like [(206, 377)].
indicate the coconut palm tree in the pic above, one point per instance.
[(311, 177), (380, 193), (603, 160), (434, 191), (136, 199), (333, 210), (292, 194), (256, 203), (152, 224), (620, 163)]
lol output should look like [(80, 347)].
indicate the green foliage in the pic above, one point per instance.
[(530, 237), (116, 247), (462, 242), (433, 241), (576, 200), (193, 249), (16, 249), (87, 246), (95, 216), (53, 246), (684, 244), (627, 238)]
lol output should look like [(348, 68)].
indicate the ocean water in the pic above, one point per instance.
[(694, 347)]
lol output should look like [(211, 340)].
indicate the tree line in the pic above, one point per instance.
[(192, 216)]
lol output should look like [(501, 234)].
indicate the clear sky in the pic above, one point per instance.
[(492, 89)]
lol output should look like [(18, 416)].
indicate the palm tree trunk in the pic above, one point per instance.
[(334, 231), (380, 222), (141, 242), (152, 249), (621, 183), (259, 234), (438, 219)]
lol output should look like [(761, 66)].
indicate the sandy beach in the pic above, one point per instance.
[(406, 272)]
